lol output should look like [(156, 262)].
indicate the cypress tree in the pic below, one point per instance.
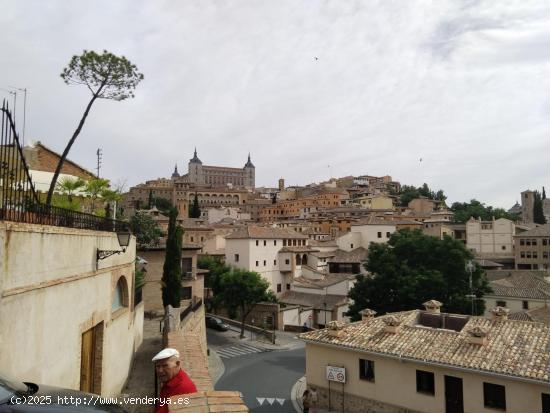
[(543, 193), (171, 274), (150, 202), (195, 210), (538, 212)]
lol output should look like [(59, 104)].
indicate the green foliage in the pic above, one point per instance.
[(139, 278), (106, 75), (68, 186), (408, 193), (163, 204), (145, 229), (195, 210), (413, 268), (72, 204), (463, 211), (538, 211), (543, 193), (242, 290), (171, 274), (151, 200)]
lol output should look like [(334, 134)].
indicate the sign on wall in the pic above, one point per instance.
[(337, 374)]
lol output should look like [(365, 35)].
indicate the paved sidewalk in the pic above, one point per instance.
[(141, 381), (296, 397)]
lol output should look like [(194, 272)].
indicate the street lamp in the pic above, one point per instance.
[(470, 267), (123, 240)]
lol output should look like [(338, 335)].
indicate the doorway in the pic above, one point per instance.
[(91, 359), (454, 401)]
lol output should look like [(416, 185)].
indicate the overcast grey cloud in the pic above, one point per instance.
[(365, 86)]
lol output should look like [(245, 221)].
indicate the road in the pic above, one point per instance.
[(268, 376)]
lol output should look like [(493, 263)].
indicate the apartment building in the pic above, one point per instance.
[(276, 253), (494, 237), (364, 232), (532, 249), (432, 362)]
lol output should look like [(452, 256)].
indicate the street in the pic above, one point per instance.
[(261, 376)]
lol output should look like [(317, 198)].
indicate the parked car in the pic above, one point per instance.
[(19, 397), (216, 323)]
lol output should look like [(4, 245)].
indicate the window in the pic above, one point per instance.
[(503, 247), (287, 261), (351, 246), (521, 242), (265, 263), (284, 243), (186, 293), (494, 396), (275, 242), (274, 262), (425, 382), (288, 287), (545, 241), (501, 303), (236, 257), (527, 242), (257, 263), (533, 242), (186, 265), (366, 370), (525, 305), (522, 254), (388, 234), (265, 242), (545, 403), (545, 254), (278, 288), (191, 239), (257, 242), (535, 255), (379, 235)]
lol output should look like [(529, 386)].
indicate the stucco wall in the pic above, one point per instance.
[(51, 292), (513, 304), (391, 374)]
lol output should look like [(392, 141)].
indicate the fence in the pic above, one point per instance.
[(18, 199)]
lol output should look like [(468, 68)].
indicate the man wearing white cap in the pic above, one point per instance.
[(174, 380)]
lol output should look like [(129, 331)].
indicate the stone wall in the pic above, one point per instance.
[(352, 403)]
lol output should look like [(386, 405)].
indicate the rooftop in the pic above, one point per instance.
[(539, 315), (521, 285), (540, 231), (513, 348), (316, 301), (254, 232), (357, 255), (327, 280)]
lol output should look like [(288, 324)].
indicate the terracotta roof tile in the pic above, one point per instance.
[(254, 232), (515, 348)]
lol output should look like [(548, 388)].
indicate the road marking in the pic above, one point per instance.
[(240, 350)]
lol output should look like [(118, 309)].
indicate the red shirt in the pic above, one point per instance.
[(179, 384)]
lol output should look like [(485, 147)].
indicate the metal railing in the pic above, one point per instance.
[(18, 199)]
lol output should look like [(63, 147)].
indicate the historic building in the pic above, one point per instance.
[(200, 174)]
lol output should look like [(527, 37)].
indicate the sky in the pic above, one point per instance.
[(455, 93)]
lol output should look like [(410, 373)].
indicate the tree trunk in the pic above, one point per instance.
[(68, 148)]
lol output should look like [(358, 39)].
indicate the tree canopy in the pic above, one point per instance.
[(538, 209), (145, 229), (408, 193), (106, 76), (413, 268), (195, 210), (463, 211)]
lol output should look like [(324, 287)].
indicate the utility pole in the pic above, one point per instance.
[(470, 268), (98, 153), (24, 90)]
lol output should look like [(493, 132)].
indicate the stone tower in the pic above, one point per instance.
[(195, 170), (250, 174), (527, 204), (281, 184)]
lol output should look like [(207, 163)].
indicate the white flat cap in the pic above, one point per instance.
[(166, 353)]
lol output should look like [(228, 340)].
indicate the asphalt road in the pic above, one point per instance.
[(265, 375)]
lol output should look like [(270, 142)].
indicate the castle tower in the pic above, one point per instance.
[(527, 204), (281, 184), (175, 174), (195, 170), (250, 174)]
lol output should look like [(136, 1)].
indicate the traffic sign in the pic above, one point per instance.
[(337, 374)]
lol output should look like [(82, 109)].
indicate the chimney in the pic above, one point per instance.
[(500, 313), (478, 335), (432, 306), (335, 329), (393, 324), (367, 314)]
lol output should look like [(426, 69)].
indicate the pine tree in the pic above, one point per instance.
[(543, 193), (195, 210), (171, 274), (538, 212), (150, 202)]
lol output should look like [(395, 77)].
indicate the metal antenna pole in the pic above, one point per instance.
[(24, 90), (98, 153)]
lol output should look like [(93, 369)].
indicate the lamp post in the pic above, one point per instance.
[(470, 268)]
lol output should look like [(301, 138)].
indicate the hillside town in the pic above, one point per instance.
[(310, 208)]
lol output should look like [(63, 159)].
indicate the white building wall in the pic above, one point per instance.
[(42, 180), (495, 240), (350, 240), (513, 304), (52, 292)]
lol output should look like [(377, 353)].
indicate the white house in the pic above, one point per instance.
[(364, 232), (276, 253), (494, 237)]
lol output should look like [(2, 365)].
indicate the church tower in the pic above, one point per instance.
[(249, 174), (195, 170)]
